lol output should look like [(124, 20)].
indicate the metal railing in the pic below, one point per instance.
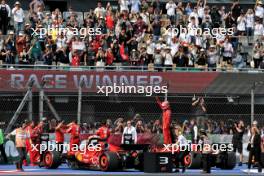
[(126, 68)]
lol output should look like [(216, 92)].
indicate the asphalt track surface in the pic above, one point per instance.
[(64, 170)]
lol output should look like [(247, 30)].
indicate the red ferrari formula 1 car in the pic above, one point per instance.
[(96, 154)]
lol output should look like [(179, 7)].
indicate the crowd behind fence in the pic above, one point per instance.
[(95, 109)]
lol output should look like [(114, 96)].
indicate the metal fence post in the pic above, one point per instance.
[(41, 106), (30, 106), (79, 105), (252, 102)]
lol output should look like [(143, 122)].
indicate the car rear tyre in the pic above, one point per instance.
[(187, 160), (52, 159), (109, 161), (230, 161), (196, 161)]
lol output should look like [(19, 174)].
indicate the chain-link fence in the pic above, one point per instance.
[(96, 107)]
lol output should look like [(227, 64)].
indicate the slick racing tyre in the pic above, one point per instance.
[(52, 159), (187, 159), (196, 161), (229, 161), (109, 161)]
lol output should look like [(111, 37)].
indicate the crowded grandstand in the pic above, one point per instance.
[(208, 56), (154, 35)]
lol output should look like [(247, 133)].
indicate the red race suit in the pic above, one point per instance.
[(103, 132), (35, 140), (166, 121), (74, 130)]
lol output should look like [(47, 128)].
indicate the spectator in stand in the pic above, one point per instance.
[(181, 59), (140, 29), (258, 30), (238, 61), (228, 51), (75, 59), (124, 5), (168, 59), (10, 45), (258, 54), (202, 58), (241, 23), (259, 11), (236, 9), (249, 22), (99, 11), (5, 15), (171, 9), (135, 6), (35, 4), (213, 58), (19, 16)]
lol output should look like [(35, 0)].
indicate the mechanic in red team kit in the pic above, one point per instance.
[(59, 135), (166, 120), (30, 141), (103, 132), (35, 138), (74, 130)]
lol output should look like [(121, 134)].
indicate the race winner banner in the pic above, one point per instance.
[(69, 81)]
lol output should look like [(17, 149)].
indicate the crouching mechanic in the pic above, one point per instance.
[(166, 120), (20, 139), (103, 132), (74, 130)]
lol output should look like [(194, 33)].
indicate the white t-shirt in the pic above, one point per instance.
[(250, 20), (174, 48), (200, 12), (124, 5), (135, 5), (184, 37), (228, 49), (132, 130), (99, 12), (198, 40), (259, 12), (195, 15), (192, 29), (171, 7), (150, 47), (258, 29), (18, 15), (168, 59), (241, 24), (182, 141)]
